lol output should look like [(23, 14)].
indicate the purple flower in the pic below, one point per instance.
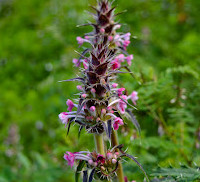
[(79, 87), (117, 122), (129, 58), (134, 97), (63, 116), (69, 157), (76, 62), (115, 64), (70, 105), (92, 108), (101, 159), (120, 91), (122, 105), (80, 40), (114, 85)]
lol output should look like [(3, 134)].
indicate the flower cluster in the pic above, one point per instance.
[(100, 99), (107, 164), (101, 104)]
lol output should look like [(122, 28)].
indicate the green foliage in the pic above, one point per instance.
[(181, 174), (36, 50)]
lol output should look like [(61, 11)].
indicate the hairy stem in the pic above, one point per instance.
[(114, 142)]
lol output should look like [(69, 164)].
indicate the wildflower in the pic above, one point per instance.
[(117, 122), (134, 97), (76, 62), (70, 105), (71, 157), (63, 117), (80, 40), (92, 108), (122, 105), (110, 38), (120, 91), (115, 65), (79, 87), (114, 85), (129, 58)]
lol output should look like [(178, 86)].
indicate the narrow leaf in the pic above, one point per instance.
[(91, 175), (109, 123), (128, 103), (140, 166), (73, 79), (133, 119), (83, 54), (78, 170), (85, 176)]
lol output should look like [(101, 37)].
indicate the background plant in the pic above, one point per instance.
[(36, 50)]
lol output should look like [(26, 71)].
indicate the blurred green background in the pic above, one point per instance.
[(37, 43)]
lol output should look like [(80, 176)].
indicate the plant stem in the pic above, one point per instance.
[(99, 144), (114, 142)]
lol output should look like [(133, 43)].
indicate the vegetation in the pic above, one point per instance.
[(36, 50)]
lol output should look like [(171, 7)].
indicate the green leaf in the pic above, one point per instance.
[(78, 170)]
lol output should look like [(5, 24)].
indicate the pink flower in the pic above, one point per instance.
[(126, 43), (110, 38), (80, 40), (87, 37), (109, 155), (70, 105), (115, 65), (120, 91), (120, 58), (84, 95), (114, 85), (101, 159), (127, 36), (63, 116), (118, 121), (122, 105), (69, 157), (93, 90), (103, 111), (134, 97), (129, 58), (76, 62), (102, 30), (114, 161), (92, 108), (79, 87), (117, 26)]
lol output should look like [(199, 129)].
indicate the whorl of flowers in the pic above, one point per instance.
[(102, 166), (101, 104), (101, 101)]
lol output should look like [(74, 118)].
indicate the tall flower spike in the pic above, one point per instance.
[(101, 105)]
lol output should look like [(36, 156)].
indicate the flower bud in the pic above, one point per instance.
[(110, 38), (103, 168), (79, 87), (114, 161), (114, 85), (109, 155), (93, 90), (84, 95), (103, 111), (90, 162), (92, 108), (102, 30)]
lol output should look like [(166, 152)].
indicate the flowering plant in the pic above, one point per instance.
[(101, 105)]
